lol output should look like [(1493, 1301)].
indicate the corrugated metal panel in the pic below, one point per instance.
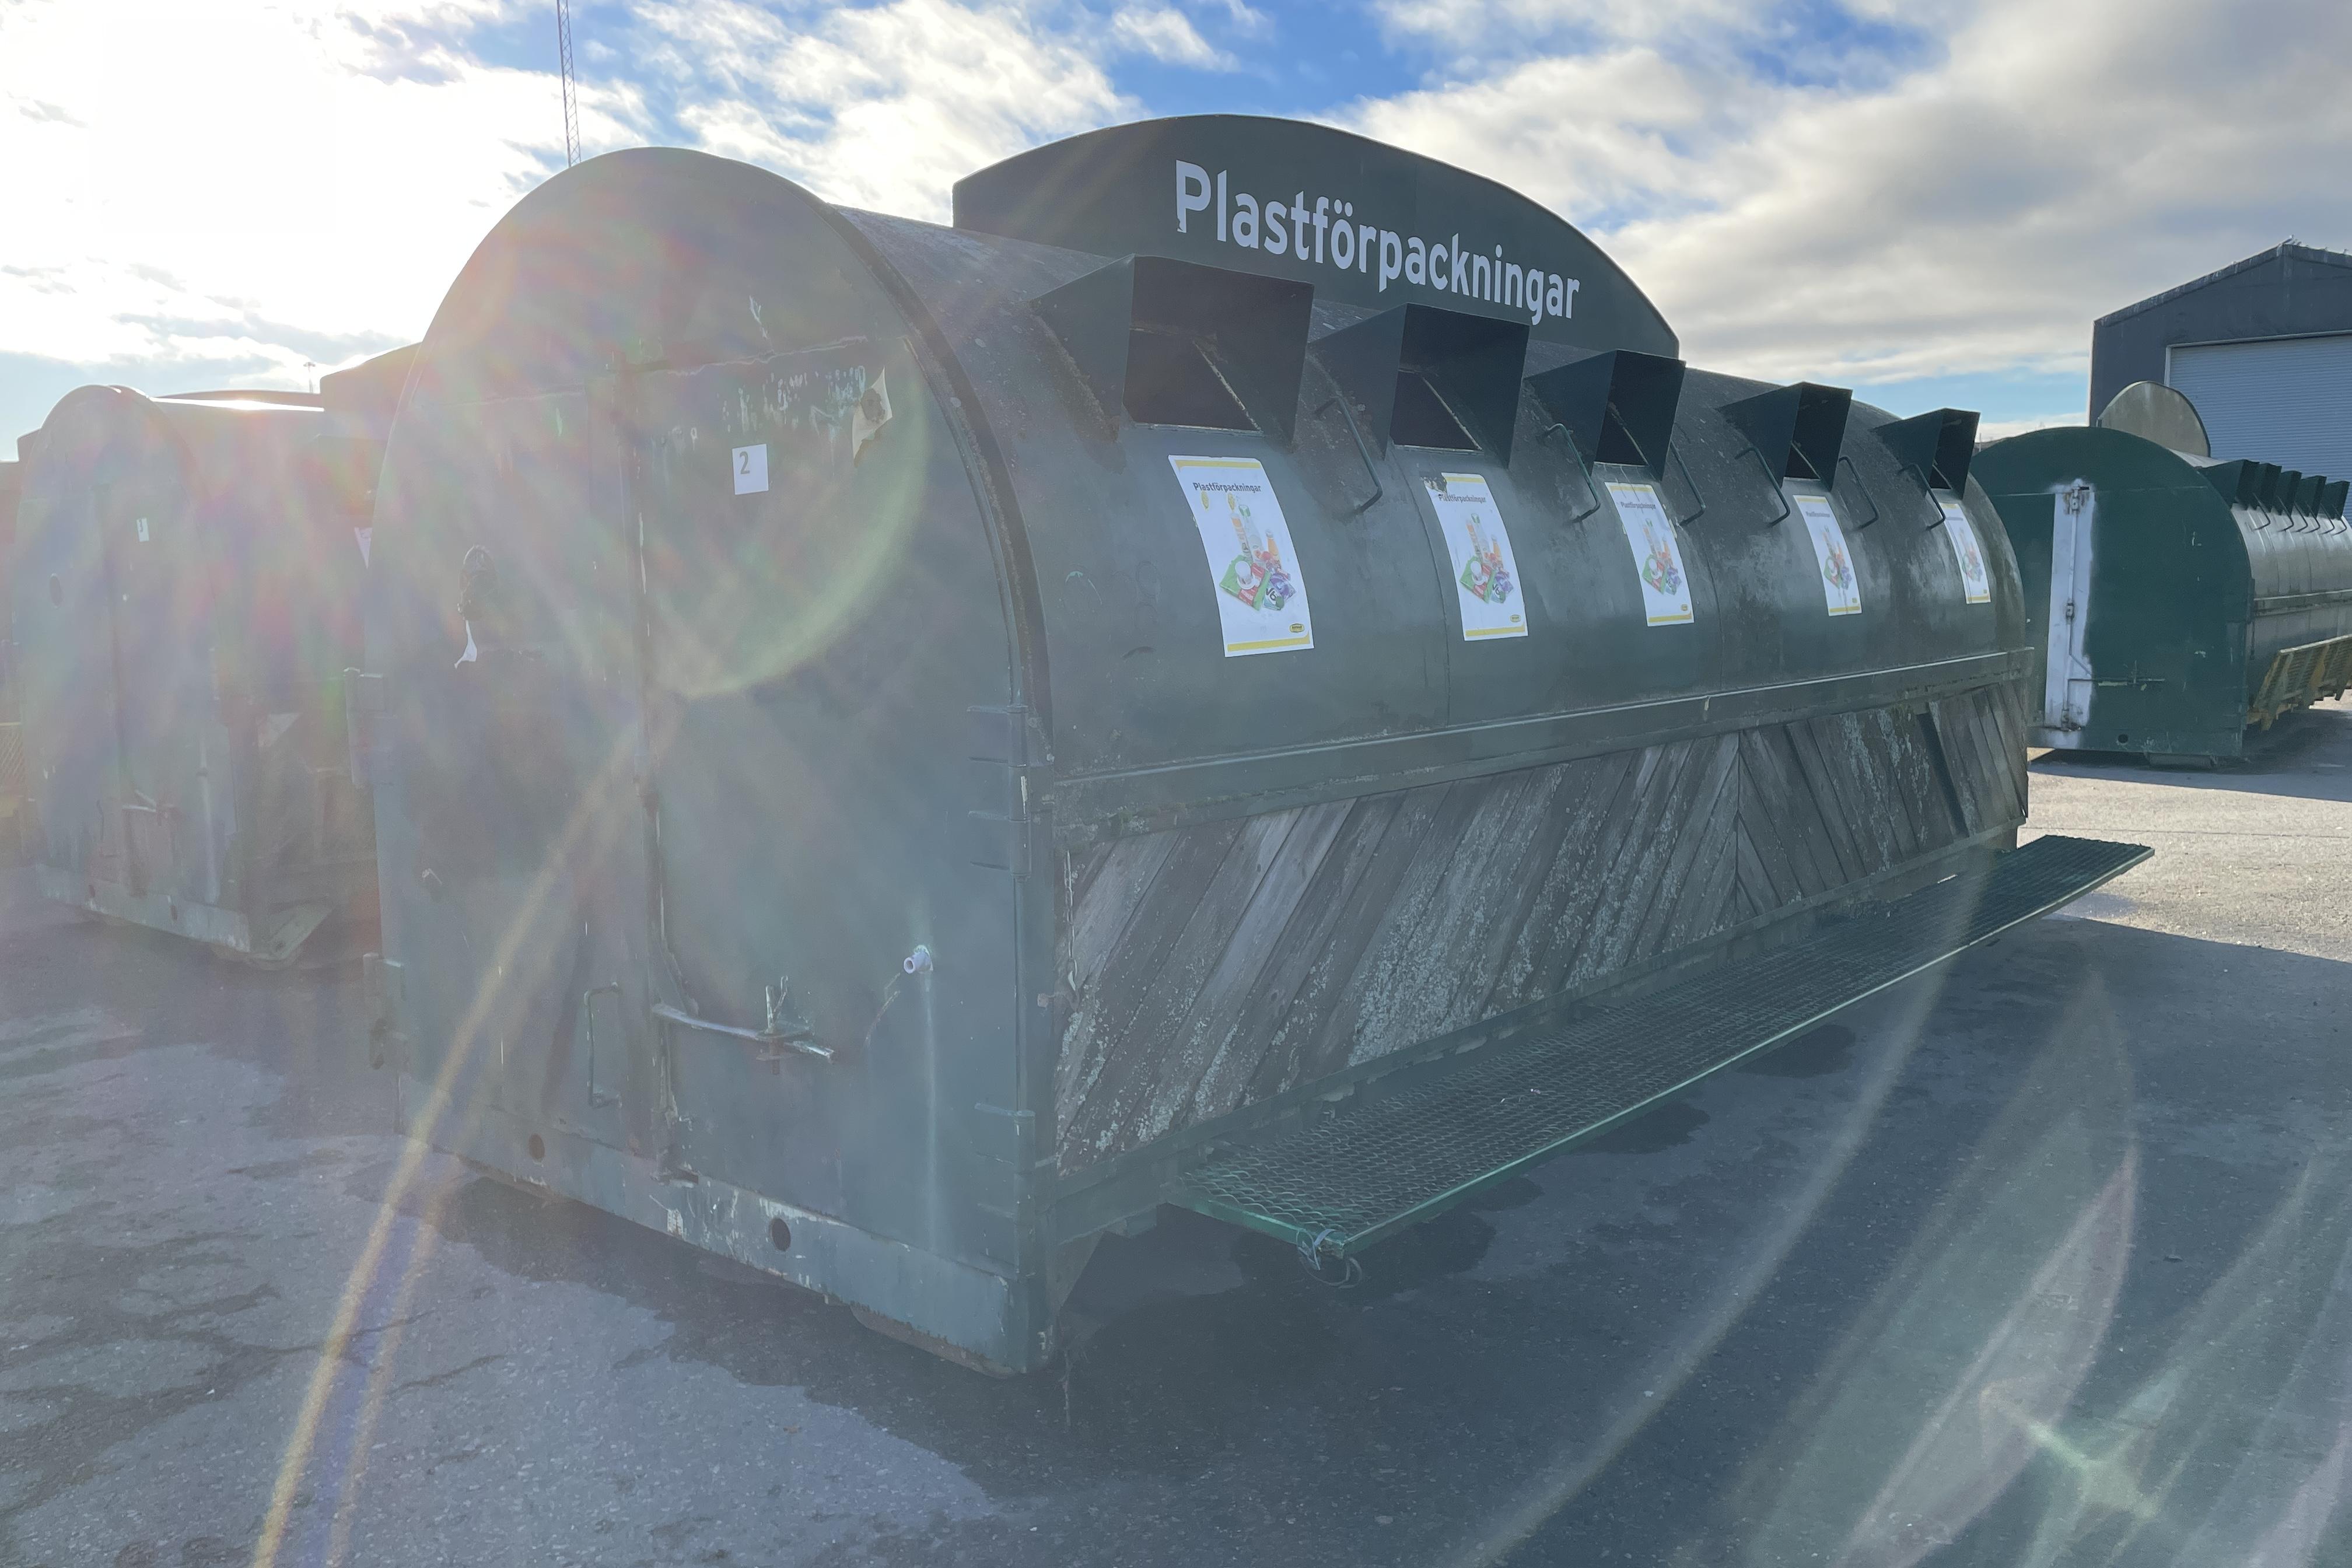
[(2283, 400)]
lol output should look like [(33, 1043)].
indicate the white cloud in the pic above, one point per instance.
[(1166, 34), (881, 106), (236, 188), (1467, 26), (1970, 212), (1587, 134), (1248, 21)]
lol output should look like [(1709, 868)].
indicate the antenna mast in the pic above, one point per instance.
[(571, 100)]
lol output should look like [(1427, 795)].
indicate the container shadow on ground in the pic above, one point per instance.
[(2306, 755), (1576, 1399), (1601, 1358)]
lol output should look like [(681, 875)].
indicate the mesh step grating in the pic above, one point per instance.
[(1390, 1161)]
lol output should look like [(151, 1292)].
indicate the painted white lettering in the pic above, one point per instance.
[(1191, 192), (1328, 233)]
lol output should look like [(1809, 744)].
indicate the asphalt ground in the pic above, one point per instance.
[(2046, 1258)]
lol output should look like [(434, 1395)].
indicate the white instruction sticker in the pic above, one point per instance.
[(1650, 533), (750, 469), (1260, 589), (1485, 577), (142, 530), (1840, 589), (1975, 581)]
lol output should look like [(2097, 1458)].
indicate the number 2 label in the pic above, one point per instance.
[(750, 469)]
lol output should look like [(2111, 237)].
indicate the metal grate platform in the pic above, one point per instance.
[(1403, 1156)]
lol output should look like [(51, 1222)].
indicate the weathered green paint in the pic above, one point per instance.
[(2198, 583)]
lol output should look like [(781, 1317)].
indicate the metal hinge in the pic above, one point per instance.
[(1001, 842), (1004, 749)]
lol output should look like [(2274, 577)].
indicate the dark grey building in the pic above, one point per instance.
[(2264, 349)]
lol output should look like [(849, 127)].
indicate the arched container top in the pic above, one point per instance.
[(1203, 188), (646, 257), (202, 450), (2275, 546)]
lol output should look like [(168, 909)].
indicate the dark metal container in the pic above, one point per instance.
[(185, 600), (12, 733), (898, 749), (2173, 603)]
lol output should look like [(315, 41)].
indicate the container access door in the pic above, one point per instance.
[(821, 612), (170, 814), (2066, 688), (63, 627), (507, 770)]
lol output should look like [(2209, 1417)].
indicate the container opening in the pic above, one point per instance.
[(1421, 418), (1618, 407), (1429, 377), (1935, 447), (1172, 380), (1798, 430), (2239, 481), (1173, 343)]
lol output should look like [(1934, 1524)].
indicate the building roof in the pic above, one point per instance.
[(2282, 249)]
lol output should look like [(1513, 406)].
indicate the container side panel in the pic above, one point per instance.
[(1266, 953), (189, 604), (812, 551), (509, 765), (63, 627)]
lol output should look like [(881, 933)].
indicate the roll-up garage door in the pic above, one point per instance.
[(2281, 400)]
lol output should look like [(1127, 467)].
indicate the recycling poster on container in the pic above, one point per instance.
[(1975, 582), (1485, 578), (1253, 567), (1840, 589), (1657, 559)]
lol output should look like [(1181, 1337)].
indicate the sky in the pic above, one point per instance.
[(1928, 201)]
